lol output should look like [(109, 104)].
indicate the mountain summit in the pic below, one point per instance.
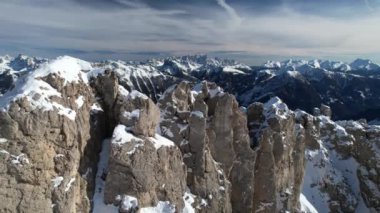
[(162, 136)]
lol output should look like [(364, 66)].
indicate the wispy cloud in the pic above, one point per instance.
[(231, 11), (124, 27)]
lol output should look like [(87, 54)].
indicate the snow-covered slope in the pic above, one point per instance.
[(334, 172), (358, 64), (39, 93), (20, 63), (350, 93), (350, 89), (52, 103), (364, 64), (12, 68), (342, 159)]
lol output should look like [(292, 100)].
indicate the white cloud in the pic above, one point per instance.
[(70, 26), (231, 11)]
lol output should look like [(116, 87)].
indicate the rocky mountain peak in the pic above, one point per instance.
[(83, 137), (299, 65), (364, 64)]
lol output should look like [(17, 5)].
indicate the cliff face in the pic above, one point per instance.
[(50, 139), (74, 139), (342, 166), (211, 131), (279, 140)]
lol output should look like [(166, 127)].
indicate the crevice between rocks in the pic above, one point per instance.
[(106, 89)]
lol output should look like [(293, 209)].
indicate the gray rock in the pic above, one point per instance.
[(44, 145)]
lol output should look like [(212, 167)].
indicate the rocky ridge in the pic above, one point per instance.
[(349, 89), (195, 150), (50, 139)]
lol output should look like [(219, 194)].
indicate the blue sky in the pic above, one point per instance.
[(251, 31)]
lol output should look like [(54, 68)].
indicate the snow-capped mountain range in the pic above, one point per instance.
[(77, 136), (20, 63), (300, 65), (349, 88), (203, 63)]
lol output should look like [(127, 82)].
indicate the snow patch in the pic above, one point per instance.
[(275, 107), (203, 203), (98, 199), (69, 68), (162, 207), (69, 184), (136, 94), (79, 101), (325, 166), (216, 91), (19, 159), (188, 199), (39, 93), (123, 91), (306, 206), (232, 69), (2, 151), (96, 108), (121, 136), (3, 140), (69, 113), (134, 114), (160, 141), (57, 181), (294, 74), (129, 203), (352, 125)]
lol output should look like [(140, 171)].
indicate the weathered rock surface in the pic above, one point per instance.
[(48, 155), (187, 128), (211, 131), (334, 172), (340, 175), (142, 164), (213, 156), (280, 143), (144, 168)]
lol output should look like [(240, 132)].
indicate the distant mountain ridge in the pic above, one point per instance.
[(356, 65), (201, 62), (76, 136), (350, 89)]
